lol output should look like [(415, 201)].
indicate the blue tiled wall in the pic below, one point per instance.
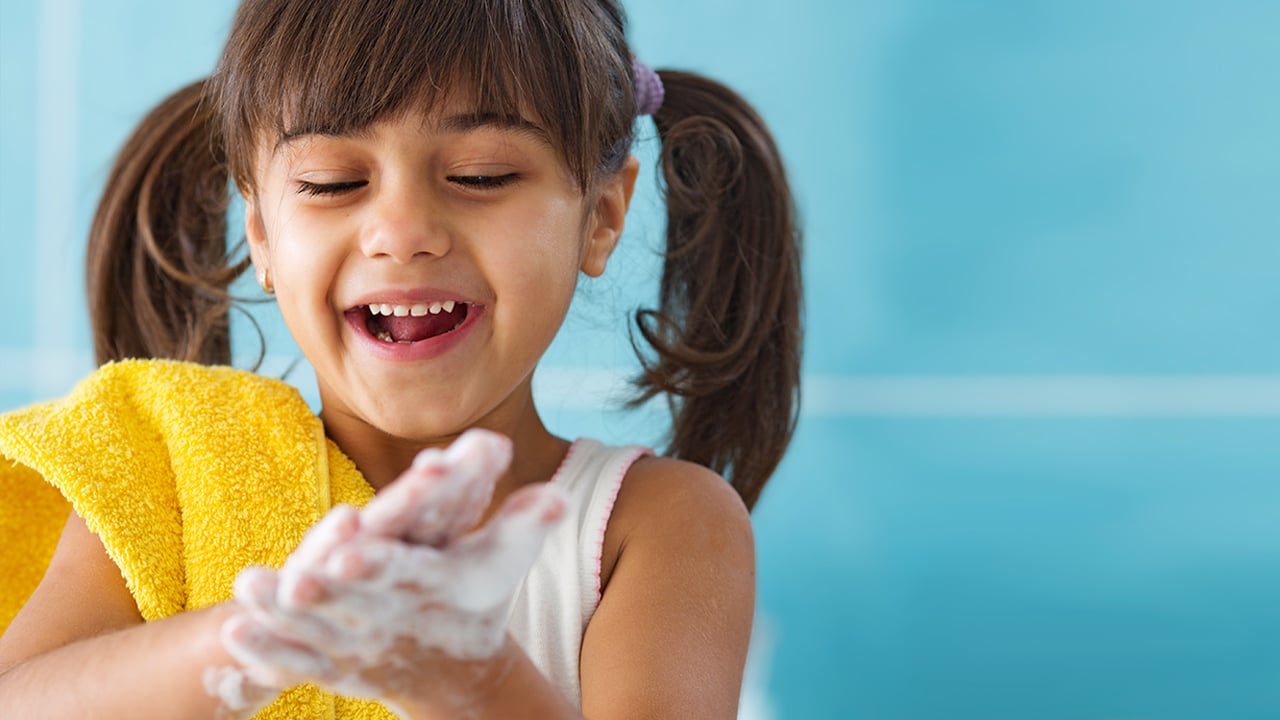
[(1038, 473)]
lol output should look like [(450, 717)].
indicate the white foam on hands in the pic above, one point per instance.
[(372, 599)]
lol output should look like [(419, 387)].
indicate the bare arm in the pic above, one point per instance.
[(79, 648), (670, 636)]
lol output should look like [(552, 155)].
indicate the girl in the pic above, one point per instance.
[(424, 182)]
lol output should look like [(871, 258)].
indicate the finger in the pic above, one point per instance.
[(302, 588), (268, 658), (337, 526), (539, 505), (255, 588), (490, 564), (386, 567), (476, 460), (444, 494), (361, 560), (366, 582), (395, 508), (241, 697), (258, 591), (480, 452), (440, 524), (298, 584), (429, 502)]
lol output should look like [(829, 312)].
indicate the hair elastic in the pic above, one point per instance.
[(649, 90)]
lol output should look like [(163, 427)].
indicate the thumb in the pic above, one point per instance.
[(494, 560)]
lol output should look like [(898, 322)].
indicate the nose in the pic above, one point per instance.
[(402, 224)]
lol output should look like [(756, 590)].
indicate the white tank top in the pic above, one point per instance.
[(552, 607)]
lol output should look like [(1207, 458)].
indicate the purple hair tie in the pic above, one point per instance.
[(649, 90)]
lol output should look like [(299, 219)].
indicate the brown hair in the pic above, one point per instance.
[(725, 336), (727, 331), (158, 269)]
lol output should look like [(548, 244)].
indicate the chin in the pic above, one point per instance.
[(415, 425)]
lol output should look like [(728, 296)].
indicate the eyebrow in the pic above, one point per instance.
[(462, 123), (289, 136), (468, 122)]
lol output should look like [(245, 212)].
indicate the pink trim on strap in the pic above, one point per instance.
[(564, 463), (630, 460)]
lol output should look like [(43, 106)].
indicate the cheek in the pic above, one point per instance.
[(303, 237), (306, 259), (533, 267), (547, 255), (557, 231)]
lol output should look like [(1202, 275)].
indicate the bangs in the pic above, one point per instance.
[(337, 67)]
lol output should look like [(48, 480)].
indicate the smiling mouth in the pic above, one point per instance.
[(407, 324)]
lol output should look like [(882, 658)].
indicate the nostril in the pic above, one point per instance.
[(406, 238)]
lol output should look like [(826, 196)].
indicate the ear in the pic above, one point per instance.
[(608, 217), (255, 235)]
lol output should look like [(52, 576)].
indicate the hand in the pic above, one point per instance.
[(394, 600), (440, 497)]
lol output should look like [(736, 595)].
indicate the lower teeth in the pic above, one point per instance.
[(385, 336)]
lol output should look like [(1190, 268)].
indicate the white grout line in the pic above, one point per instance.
[(977, 395), (56, 147), (942, 396), (1046, 396)]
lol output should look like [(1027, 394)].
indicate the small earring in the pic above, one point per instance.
[(264, 279)]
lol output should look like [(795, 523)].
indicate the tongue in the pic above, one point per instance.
[(413, 329)]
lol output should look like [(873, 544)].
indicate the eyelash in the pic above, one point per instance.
[(311, 188), (471, 182), (483, 182)]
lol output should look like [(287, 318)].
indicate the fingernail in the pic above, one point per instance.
[(347, 563), (428, 457), (479, 447), (296, 591), (239, 629)]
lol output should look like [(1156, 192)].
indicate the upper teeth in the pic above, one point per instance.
[(413, 310)]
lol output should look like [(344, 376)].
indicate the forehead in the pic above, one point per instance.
[(453, 123), (436, 112)]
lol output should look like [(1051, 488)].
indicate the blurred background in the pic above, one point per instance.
[(1037, 473)]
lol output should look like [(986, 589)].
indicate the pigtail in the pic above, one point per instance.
[(158, 268), (727, 332)]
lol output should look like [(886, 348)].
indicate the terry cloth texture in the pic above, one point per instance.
[(188, 474)]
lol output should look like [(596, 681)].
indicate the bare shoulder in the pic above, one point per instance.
[(668, 479), (664, 501)]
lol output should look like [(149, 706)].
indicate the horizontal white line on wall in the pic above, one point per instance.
[(852, 395), (1047, 395), (979, 395)]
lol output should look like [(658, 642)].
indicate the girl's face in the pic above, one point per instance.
[(425, 263)]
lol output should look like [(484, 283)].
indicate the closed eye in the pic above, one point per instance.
[(483, 182), (330, 188)]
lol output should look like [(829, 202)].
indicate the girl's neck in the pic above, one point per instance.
[(381, 458)]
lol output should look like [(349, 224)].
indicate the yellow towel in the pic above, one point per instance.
[(188, 474)]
